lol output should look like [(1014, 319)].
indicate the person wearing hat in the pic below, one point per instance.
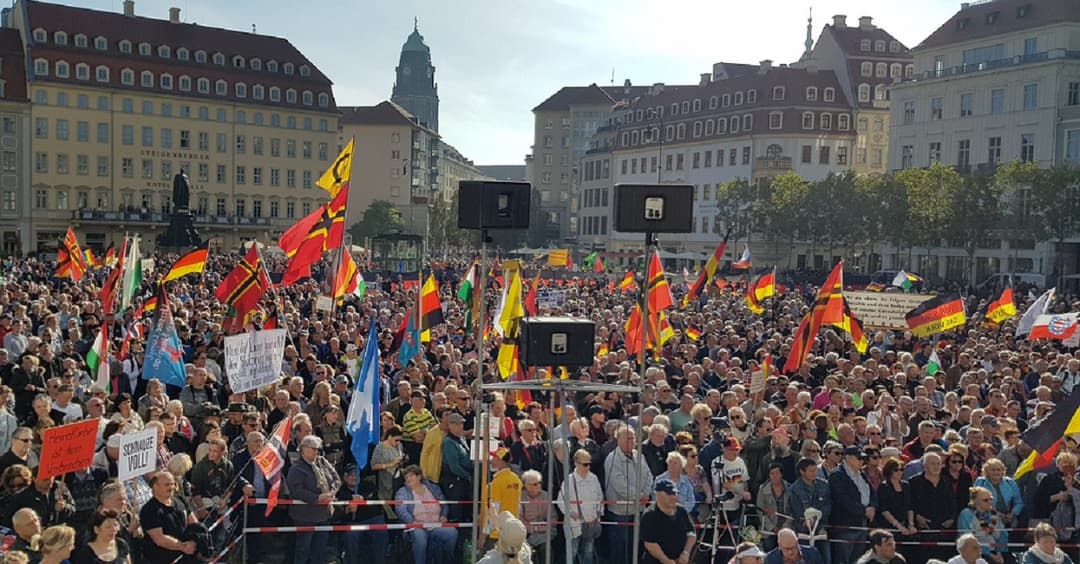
[(455, 475), (667, 533), (312, 480), (361, 546), (504, 491), (511, 547), (747, 553), (854, 504)]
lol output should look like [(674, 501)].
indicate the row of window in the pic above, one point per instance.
[(886, 70), (879, 46), (733, 125), (101, 43), (704, 159), (127, 106), (594, 197), (594, 225), (201, 172), (779, 93), (963, 151), (59, 199), (995, 103), (183, 83)]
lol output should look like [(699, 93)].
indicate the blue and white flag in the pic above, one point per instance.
[(164, 358), (362, 421)]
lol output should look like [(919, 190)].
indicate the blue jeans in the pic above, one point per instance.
[(583, 550), (311, 547), (439, 542), (367, 546), (619, 537)]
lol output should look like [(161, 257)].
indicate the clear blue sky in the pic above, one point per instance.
[(497, 59)]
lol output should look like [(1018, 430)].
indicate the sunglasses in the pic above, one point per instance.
[(22, 440), (875, 433)]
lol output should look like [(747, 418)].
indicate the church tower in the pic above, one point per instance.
[(415, 88)]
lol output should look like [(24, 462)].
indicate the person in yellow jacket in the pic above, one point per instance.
[(431, 452), (504, 492)]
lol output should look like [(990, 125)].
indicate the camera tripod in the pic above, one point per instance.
[(722, 530)]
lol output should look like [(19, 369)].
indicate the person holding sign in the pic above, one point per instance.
[(164, 519)]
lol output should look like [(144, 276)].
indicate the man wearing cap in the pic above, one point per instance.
[(312, 480), (504, 491), (882, 549), (853, 505), (416, 421), (666, 530), (234, 423), (455, 476), (361, 546)]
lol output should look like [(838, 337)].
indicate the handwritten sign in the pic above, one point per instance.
[(67, 448), (883, 310), (324, 303), (253, 360), (550, 297), (138, 454)]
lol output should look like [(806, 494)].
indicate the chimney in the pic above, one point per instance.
[(174, 15), (765, 66), (866, 22), (129, 8), (839, 21), (965, 5), (657, 88), (706, 77)]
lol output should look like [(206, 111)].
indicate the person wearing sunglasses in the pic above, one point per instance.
[(20, 452), (980, 518)]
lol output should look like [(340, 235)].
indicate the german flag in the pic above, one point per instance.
[(658, 290), (88, 253), (852, 326), (763, 287), (627, 281), (110, 256), (243, 287), (193, 262), (70, 262), (709, 272), (936, 315), (1046, 438), (345, 275), (321, 230), (431, 313), (828, 309), (692, 333), (1003, 307), (148, 306)]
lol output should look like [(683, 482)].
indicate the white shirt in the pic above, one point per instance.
[(960, 560), (72, 412)]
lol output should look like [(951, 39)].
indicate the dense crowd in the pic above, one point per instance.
[(853, 458)]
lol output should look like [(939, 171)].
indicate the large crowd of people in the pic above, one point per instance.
[(875, 457)]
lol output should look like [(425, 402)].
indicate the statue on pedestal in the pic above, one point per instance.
[(181, 192)]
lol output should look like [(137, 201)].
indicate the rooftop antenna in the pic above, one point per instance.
[(415, 23), (253, 29), (613, 76)]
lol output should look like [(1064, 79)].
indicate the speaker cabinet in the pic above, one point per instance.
[(557, 341), (493, 205), (654, 208)]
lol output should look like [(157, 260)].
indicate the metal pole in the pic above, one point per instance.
[(644, 345), (482, 348), (550, 476)]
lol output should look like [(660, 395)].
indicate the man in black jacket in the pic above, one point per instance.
[(853, 506)]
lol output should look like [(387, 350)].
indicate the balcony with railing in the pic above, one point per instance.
[(1007, 62), (150, 218), (766, 165)]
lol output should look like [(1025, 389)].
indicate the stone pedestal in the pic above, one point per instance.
[(181, 233)]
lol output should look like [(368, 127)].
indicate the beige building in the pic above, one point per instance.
[(396, 160), (997, 82), (120, 103), (453, 168)]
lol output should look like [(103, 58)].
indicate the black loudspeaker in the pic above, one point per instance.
[(557, 341), (654, 208), (493, 205)]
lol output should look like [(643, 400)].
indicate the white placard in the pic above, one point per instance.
[(550, 297), (324, 303), (253, 360), (147, 266), (757, 382), (883, 310), (138, 454)]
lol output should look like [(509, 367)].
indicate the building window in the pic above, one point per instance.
[(823, 154), (843, 122), (221, 88), (935, 152), (241, 175), (290, 96), (164, 52), (103, 166), (241, 90), (324, 100), (82, 71), (842, 155), (1031, 97), (734, 125), (826, 121), (867, 69), (776, 120), (60, 38), (880, 91), (963, 154), (808, 120), (63, 70), (41, 128), (258, 92), (747, 122), (882, 70), (864, 93), (144, 49), (778, 93), (40, 36), (807, 154), (937, 108), (725, 100), (219, 59), (203, 85), (184, 83), (62, 163), (275, 94), (288, 68), (102, 132), (896, 70), (967, 103), (993, 153), (811, 93), (864, 45), (1027, 147), (166, 82), (41, 162), (738, 98), (907, 156), (829, 95), (909, 112), (879, 46), (997, 101)]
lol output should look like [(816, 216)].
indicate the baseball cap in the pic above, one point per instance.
[(854, 451), (502, 453), (664, 485)]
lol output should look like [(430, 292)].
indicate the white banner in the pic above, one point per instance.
[(883, 310), (253, 360), (147, 266), (138, 454), (550, 297)]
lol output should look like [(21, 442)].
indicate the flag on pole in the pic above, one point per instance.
[(1038, 308), (108, 289), (659, 293), (905, 280), (1058, 327), (271, 461), (362, 421), (936, 315), (627, 281), (97, 359), (338, 175), (712, 266), (828, 309), (1002, 308), (132, 277), (744, 262), (164, 357), (1047, 438), (933, 364), (193, 262)]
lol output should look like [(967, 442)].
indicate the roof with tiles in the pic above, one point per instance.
[(985, 19), (850, 39), (383, 113), (13, 68)]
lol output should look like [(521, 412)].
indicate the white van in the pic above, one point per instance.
[(1001, 278)]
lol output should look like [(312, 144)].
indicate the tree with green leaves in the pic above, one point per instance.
[(785, 201), (1055, 203), (444, 232), (380, 218)]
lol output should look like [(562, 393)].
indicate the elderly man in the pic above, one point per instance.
[(164, 519), (666, 530), (789, 551), (853, 505), (455, 476), (27, 525), (626, 485), (312, 480), (20, 452)]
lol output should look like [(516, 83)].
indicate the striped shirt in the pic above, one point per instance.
[(414, 421)]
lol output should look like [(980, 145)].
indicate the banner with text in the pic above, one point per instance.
[(67, 448), (550, 297), (138, 454), (253, 360), (883, 310)]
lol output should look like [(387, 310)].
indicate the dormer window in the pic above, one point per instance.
[(80, 41), (144, 49), (305, 70), (879, 46), (289, 69), (101, 44), (183, 54), (778, 93), (992, 17), (40, 36), (203, 85), (219, 59), (961, 24), (166, 82), (200, 56), (238, 62), (697, 105), (308, 98), (725, 100), (1023, 11), (864, 45), (713, 102), (147, 79), (164, 51), (275, 94), (60, 38), (41, 67), (82, 71), (894, 46), (738, 98), (127, 77), (811, 93), (221, 88), (241, 90), (751, 96), (102, 73), (829, 94), (125, 46), (258, 92), (63, 70), (272, 66), (324, 100), (256, 64), (290, 96), (184, 83)]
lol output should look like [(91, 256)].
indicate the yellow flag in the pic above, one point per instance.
[(338, 174), (512, 307)]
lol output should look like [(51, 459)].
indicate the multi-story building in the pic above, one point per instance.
[(415, 88), (396, 159), (867, 60), (120, 103), (564, 125), (999, 81), (453, 168), (739, 122), (16, 213)]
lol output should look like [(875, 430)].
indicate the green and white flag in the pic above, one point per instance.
[(904, 280), (97, 359), (465, 294), (933, 365), (361, 287)]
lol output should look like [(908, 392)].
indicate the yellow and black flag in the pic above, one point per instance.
[(1047, 438), (936, 315), (1002, 308)]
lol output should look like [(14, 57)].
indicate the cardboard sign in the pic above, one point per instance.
[(138, 454), (324, 303), (67, 448), (253, 360), (550, 297), (883, 310)]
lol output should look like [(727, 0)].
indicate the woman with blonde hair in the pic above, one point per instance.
[(320, 400), (1007, 499), (980, 519), (155, 397), (56, 544), (183, 424), (1045, 549)]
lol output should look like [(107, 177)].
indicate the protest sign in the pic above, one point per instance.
[(550, 297), (253, 360), (883, 310), (67, 448), (138, 454)]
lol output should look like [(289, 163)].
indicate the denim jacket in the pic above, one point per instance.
[(405, 511)]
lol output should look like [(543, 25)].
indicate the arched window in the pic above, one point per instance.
[(41, 36), (80, 41), (221, 88), (166, 81), (773, 151), (82, 71), (60, 38), (867, 68), (305, 70), (289, 69), (811, 93), (308, 98), (256, 64), (183, 54), (290, 96), (241, 90), (864, 92), (324, 100), (101, 44), (258, 92), (275, 94), (184, 83), (272, 66), (144, 49), (200, 56), (147, 79), (125, 46), (882, 70), (63, 69), (238, 62), (102, 73), (219, 59), (164, 51), (203, 85), (127, 77)]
